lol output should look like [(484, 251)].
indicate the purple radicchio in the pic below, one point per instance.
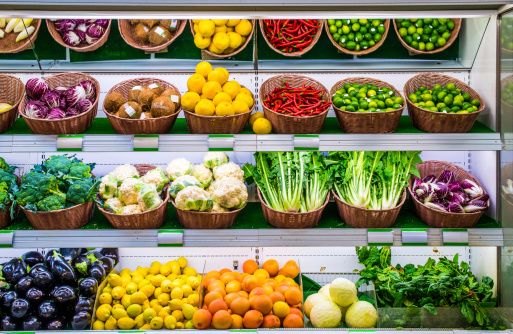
[(35, 88), (81, 32), (440, 188), (71, 38), (51, 99), (75, 94), (431, 197), (429, 179), (102, 23), (84, 105), (93, 33), (64, 26), (456, 197), (446, 177), (455, 186), (89, 21), (422, 191), (436, 206), (70, 112), (455, 208), (78, 21), (60, 90), (35, 109), (471, 188), (63, 105), (56, 113), (483, 197), (89, 89), (475, 206)]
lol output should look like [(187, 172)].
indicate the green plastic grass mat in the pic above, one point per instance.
[(101, 126), (252, 217)]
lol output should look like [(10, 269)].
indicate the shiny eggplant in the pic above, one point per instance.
[(20, 308), (23, 285), (8, 269), (42, 276), (14, 270), (88, 287), (69, 254), (35, 296), (97, 271), (81, 320), (9, 323), (47, 310), (84, 304), (113, 253), (49, 255), (7, 299), (31, 323), (56, 324), (63, 294), (82, 264), (32, 258), (94, 255), (107, 264), (38, 267), (62, 270)]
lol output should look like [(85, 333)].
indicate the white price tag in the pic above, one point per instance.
[(146, 142), (221, 142), (6, 239), (455, 237), (170, 238), (414, 237), (70, 142), (380, 237), (306, 142)]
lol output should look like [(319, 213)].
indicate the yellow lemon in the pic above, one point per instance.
[(111, 324), (178, 315), (190, 325), (125, 301), (126, 279), (163, 314), (119, 313), (107, 306), (126, 323), (195, 83), (139, 321), (124, 272), (145, 305), (137, 278), (221, 97), (149, 277), (134, 310), (225, 109), (243, 39), (228, 50), (118, 306), (138, 298), (175, 267), (193, 282), (116, 302), (163, 299), (166, 286), (262, 126), (246, 91), (193, 299), (193, 100), (115, 280), (148, 290), (232, 22), (98, 325), (156, 323), (157, 307), (189, 101), (243, 28), (203, 68), (205, 107), (232, 88), (220, 22), (131, 288), (196, 21), (240, 107), (175, 304), (189, 271), (235, 39), (103, 313), (254, 117), (221, 40), (210, 89), (157, 280), (118, 292), (220, 29), (206, 28), (107, 289), (149, 314), (212, 48), (145, 327), (155, 267), (230, 29), (196, 28), (143, 271), (188, 311), (245, 98), (157, 292), (202, 42), (187, 290), (219, 75), (177, 293), (170, 322), (105, 298), (153, 302), (182, 262), (180, 325)]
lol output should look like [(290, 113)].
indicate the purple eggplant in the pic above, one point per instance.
[(56, 324), (31, 323), (88, 287), (85, 304), (32, 258), (82, 264), (62, 270), (47, 310), (7, 299), (69, 254), (35, 295), (48, 256), (113, 253), (9, 323), (97, 271), (81, 321), (63, 294), (23, 285), (14, 270), (20, 308), (107, 264), (42, 276)]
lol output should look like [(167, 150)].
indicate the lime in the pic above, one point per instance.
[(411, 30), (446, 35), (355, 27), (413, 98), (351, 36), (406, 23), (367, 36), (338, 102), (373, 104), (338, 24), (475, 102), (430, 46), (450, 86), (435, 23), (351, 45), (420, 31), (381, 29), (415, 45), (358, 37), (416, 37), (350, 108), (437, 87), (363, 30), (346, 30), (333, 29), (372, 43), (336, 37), (422, 46), (363, 21), (398, 100), (448, 100), (450, 25), (408, 40), (440, 105), (343, 39), (443, 21), (457, 103), (427, 97), (466, 96), (364, 105), (331, 22), (428, 30)]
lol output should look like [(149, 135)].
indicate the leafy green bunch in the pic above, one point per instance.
[(62, 181), (8, 186), (446, 283)]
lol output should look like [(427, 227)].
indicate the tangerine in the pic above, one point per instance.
[(271, 266), (253, 319), (262, 303), (240, 306), (282, 287), (262, 274), (227, 277), (277, 297), (294, 310), (220, 290), (243, 294), (290, 269), (202, 319), (217, 305), (230, 298), (224, 270), (222, 320), (250, 266), (211, 296), (256, 292), (271, 321), (268, 289), (236, 322), (249, 283), (214, 284), (293, 296), (292, 321), (233, 286)]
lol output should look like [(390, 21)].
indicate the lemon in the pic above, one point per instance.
[(118, 292), (220, 22), (125, 279), (240, 107), (254, 117), (206, 28), (187, 290), (103, 313), (148, 290), (196, 21), (246, 91), (107, 289), (178, 314), (232, 22), (166, 309), (188, 311), (157, 280), (191, 99), (245, 98), (149, 277), (163, 314), (175, 267), (228, 50), (203, 68), (177, 283), (232, 88), (193, 299), (149, 314), (262, 126), (157, 307), (119, 313), (177, 293), (107, 306), (126, 323), (210, 89), (170, 322), (134, 310), (138, 298), (180, 325), (124, 272), (190, 325), (243, 28), (221, 40), (175, 304), (195, 28), (202, 42), (145, 327), (193, 282), (137, 278), (195, 83), (114, 280), (131, 288), (143, 270), (221, 97), (111, 323), (116, 302), (219, 75), (117, 306), (212, 48), (153, 302), (225, 109), (125, 301), (164, 298), (230, 29), (220, 29), (98, 325), (139, 321), (235, 39), (156, 323), (166, 286), (205, 107), (105, 298), (182, 262), (155, 267)]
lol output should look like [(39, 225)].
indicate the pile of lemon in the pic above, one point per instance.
[(211, 94), (221, 36), (164, 296)]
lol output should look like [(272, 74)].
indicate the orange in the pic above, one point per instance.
[(271, 321), (250, 266), (294, 310), (268, 289), (230, 298), (213, 273), (208, 280), (271, 266), (240, 306), (249, 283), (224, 270), (253, 319), (290, 269), (220, 290), (262, 303), (202, 319), (256, 292), (281, 309), (243, 276), (293, 296), (217, 305), (238, 276), (211, 296), (227, 277), (233, 286), (277, 297), (262, 274), (243, 294), (282, 287), (214, 284), (293, 321), (279, 278), (222, 320), (236, 322), (271, 282)]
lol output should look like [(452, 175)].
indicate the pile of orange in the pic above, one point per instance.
[(257, 298)]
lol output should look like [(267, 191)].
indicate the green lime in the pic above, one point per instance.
[(336, 37), (408, 39), (373, 30), (358, 37), (424, 38), (455, 108), (343, 39), (420, 31), (350, 108), (389, 103), (381, 29), (430, 104), (422, 46), (466, 96), (351, 45), (428, 30), (364, 105), (346, 30), (338, 102), (406, 23), (396, 106), (435, 23), (415, 45), (411, 30), (427, 97), (333, 29), (441, 95), (443, 21), (450, 25), (437, 87), (440, 105), (338, 24), (367, 37), (398, 100), (475, 102), (457, 103), (373, 104), (446, 35), (413, 98), (450, 86), (371, 92), (441, 41), (355, 27), (430, 46), (362, 21), (363, 30), (331, 22), (381, 104)]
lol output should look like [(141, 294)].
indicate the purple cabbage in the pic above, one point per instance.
[(102, 23), (456, 197), (70, 112), (455, 186), (429, 179), (455, 208), (35, 109), (56, 113), (436, 206), (471, 188), (71, 38), (475, 206), (89, 89), (35, 88), (89, 21), (75, 94), (64, 26), (63, 105), (84, 105), (93, 33), (445, 177), (60, 90), (51, 99)]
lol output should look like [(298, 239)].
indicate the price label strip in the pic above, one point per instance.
[(170, 238), (243, 330), (125, 332), (380, 237), (146, 142), (221, 142), (69, 143), (6, 239), (414, 237), (455, 237), (306, 142)]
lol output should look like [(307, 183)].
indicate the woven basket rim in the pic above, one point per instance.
[(86, 47), (236, 51), (362, 52), (26, 44), (150, 48), (172, 200), (22, 95), (457, 26), (76, 206), (293, 213), (398, 206)]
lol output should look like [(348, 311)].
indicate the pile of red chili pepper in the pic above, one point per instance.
[(290, 35), (301, 101)]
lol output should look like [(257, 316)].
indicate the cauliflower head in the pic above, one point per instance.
[(203, 174), (114, 205), (181, 183), (125, 172), (131, 209), (194, 199), (217, 208), (230, 193), (108, 186), (211, 187), (127, 193), (178, 167), (148, 198), (213, 159), (229, 169), (157, 177)]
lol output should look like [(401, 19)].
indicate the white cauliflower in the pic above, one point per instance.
[(181, 183), (157, 177), (203, 174), (178, 167), (211, 187), (131, 209), (194, 199), (127, 193), (124, 172), (213, 159), (114, 205), (148, 197), (229, 169), (108, 186), (230, 193), (217, 208)]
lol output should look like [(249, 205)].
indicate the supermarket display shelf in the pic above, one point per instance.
[(100, 137), (292, 330)]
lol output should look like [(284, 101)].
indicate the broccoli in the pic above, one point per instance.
[(5, 167), (50, 203), (80, 170), (4, 194), (35, 186), (81, 191), (58, 164), (7, 177)]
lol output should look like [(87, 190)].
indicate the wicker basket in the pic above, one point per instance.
[(126, 30), (206, 220), (440, 219), (198, 124), (372, 122), (69, 125), (296, 53), (280, 219), (454, 35), (434, 121), (5, 215), (146, 220), (239, 49), (285, 124), (82, 47), (361, 52), (158, 125), (365, 218), (11, 91), (65, 219), (27, 43)]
